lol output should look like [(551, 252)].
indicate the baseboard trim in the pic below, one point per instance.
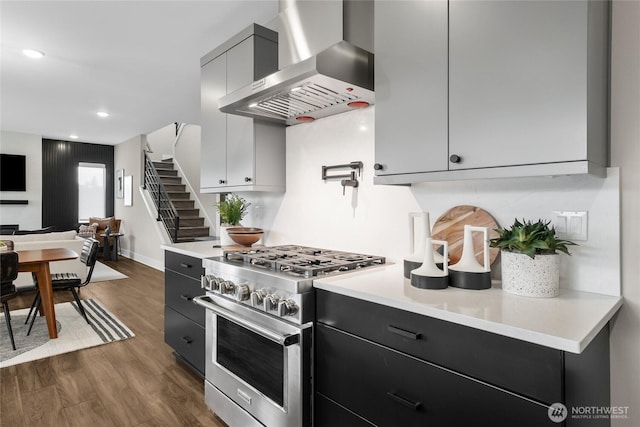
[(153, 263)]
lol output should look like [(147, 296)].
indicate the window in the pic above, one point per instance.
[(92, 192)]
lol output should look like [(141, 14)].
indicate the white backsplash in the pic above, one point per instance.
[(373, 218)]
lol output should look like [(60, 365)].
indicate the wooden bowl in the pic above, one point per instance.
[(245, 236)]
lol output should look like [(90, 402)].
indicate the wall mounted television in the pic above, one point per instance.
[(13, 174)]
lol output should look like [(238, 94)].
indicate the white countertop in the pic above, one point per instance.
[(200, 249), (568, 322)]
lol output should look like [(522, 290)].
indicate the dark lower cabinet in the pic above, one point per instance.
[(375, 365), (186, 337), (184, 321)]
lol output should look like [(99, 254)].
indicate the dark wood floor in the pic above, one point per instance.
[(136, 382)]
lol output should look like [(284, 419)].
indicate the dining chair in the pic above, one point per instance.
[(69, 281), (9, 267)]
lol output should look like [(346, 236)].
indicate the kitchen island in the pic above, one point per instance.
[(392, 354)]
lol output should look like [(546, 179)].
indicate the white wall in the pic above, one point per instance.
[(141, 240), (161, 142), (625, 153), (29, 216)]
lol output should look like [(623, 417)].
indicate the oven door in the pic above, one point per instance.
[(259, 362)]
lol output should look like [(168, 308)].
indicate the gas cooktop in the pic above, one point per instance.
[(301, 261)]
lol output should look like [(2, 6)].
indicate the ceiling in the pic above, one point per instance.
[(137, 60)]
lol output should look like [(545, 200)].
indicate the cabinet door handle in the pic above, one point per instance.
[(378, 166), (404, 332), (186, 297), (455, 158), (247, 179), (222, 181), (185, 265), (187, 340), (401, 400)]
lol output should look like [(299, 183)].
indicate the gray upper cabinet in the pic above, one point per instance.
[(490, 89), (214, 124), (239, 153), (411, 86)]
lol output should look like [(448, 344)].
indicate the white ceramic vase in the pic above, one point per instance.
[(531, 277), (225, 240)]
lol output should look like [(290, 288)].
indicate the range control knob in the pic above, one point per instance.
[(205, 282), (257, 298), (242, 292), (287, 308), (227, 287), (271, 302), (210, 282)]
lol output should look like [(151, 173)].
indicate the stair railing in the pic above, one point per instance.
[(167, 213)]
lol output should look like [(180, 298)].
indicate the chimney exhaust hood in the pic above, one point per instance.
[(336, 79)]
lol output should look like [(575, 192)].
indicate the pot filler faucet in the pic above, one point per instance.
[(346, 180)]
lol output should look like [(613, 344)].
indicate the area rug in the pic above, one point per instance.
[(102, 272), (73, 332)]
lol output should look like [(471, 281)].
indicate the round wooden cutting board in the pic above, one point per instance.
[(450, 227)]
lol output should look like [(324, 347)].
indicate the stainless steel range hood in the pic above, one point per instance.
[(336, 79)]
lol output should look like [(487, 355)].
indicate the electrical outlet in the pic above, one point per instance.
[(571, 225)]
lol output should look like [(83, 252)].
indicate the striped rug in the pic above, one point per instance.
[(73, 332)]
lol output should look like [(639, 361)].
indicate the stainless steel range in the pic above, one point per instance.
[(260, 306)]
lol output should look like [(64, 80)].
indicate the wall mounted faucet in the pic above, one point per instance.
[(346, 180)]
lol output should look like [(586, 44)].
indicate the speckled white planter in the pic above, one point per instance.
[(537, 277)]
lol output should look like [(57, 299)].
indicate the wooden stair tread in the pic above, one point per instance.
[(191, 223)]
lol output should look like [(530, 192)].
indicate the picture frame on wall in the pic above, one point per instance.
[(120, 184), (128, 196)]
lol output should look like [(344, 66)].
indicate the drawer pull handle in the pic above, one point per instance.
[(185, 265), (187, 340), (186, 297), (401, 400), (404, 333)]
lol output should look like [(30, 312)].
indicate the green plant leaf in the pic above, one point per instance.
[(232, 209), (530, 238)]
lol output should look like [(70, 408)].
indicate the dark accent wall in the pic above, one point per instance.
[(59, 180)]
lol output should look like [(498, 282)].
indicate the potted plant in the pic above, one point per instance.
[(530, 258), (232, 210)]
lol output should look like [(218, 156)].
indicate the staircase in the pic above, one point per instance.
[(191, 224)]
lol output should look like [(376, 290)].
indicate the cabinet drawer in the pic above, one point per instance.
[(406, 391), (329, 414), (186, 337), (184, 264), (179, 291), (528, 369)]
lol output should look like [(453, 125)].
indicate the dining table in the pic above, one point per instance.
[(37, 261)]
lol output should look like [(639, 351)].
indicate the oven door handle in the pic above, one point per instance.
[(284, 340)]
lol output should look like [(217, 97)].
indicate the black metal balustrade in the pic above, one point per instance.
[(167, 213)]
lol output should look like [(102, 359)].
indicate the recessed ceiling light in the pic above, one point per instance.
[(102, 114), (32, 53), (73, 136)]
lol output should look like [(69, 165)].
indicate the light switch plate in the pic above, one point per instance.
[(571, 225)]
